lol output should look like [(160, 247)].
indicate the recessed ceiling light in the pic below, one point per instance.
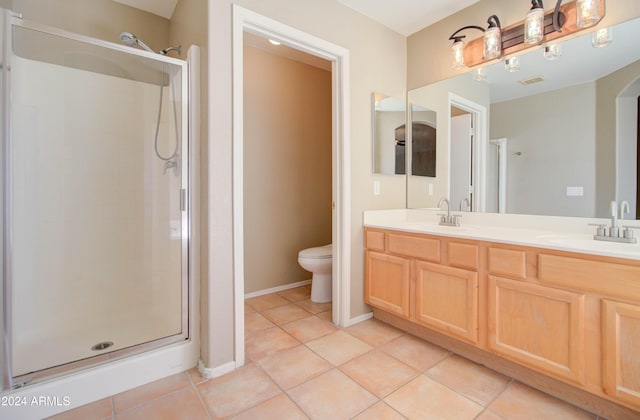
[(274, 42)]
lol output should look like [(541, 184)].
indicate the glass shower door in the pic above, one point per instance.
[(96, 207)]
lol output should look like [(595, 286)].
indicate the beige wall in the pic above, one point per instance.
[(287, 166), (557, 149), (428, 51), (102, 19), (377, 64)]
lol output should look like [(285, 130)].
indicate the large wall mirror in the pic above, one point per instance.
[(557, 137)]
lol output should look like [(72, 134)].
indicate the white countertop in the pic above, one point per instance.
[(562, 233)]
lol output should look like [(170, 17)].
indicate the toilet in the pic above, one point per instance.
[(319, 262)]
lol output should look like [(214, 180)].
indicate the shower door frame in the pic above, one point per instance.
[(9, 381)]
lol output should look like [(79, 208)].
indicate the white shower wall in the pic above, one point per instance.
[(96, 251)]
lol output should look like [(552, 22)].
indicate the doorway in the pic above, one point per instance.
[(627, 147), (461, 159), (467, 154), (246, 20), (287, 163)]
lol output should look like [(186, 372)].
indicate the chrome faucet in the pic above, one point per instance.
[(624, 209), (448, 219), (464, 200), (613, 230)]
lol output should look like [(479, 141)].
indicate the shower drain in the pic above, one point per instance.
[(102, 346)]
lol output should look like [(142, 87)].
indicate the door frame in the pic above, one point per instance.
[(247, 20), (479, 121)]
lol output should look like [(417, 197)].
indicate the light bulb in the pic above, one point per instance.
[(492, 43), (552, 52), (601, 38), (534, 26), (512, 64), (587, 13), (457, 55)]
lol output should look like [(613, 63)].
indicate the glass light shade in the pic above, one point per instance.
[(457, 55), (601, 38), (534, 26), (512, 64), (479, 75), (552, 52), (587, 13), (492, 43)]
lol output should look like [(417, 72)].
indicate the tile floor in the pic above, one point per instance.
[(300, 366)]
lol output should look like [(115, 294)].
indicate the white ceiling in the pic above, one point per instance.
[(162, 8), (285, 51), (407, 16), (403, 16), (579, 63)]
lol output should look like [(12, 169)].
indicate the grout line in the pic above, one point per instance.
[(158, 397), (195, 387), (282, 391), (501, 392), (113, 408)]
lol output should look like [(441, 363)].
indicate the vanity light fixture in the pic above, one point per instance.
[(493, 38), (534, 23), (587, 13), (552, 52), (457, 49), (601, 38), (274, 42), (512, 64)]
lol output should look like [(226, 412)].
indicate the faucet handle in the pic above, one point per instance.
[(601, 229)]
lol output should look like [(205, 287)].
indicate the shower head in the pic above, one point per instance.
[(129, 39)]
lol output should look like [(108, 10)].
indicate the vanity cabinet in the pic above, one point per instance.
[(447, 300), (573, 319), (621, 351), (541, 327), (411, 279)]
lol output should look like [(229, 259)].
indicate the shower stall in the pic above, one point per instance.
[(95, 201)]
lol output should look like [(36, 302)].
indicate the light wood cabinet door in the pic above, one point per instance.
[(621, 351), (447, 300), (538, 326), (386, 283)]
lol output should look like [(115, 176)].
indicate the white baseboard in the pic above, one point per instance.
[(358, 319), (210, 373), (277, 289)]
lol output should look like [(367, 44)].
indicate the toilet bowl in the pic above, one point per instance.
[(319, 262)]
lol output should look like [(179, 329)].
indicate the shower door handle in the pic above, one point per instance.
[(183, 199)]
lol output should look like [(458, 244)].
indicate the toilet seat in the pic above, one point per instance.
[(317, 252)]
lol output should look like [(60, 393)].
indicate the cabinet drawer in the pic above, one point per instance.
[(374, 240), (508, 262), (463, 255), (414, 246), (594, 276)]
